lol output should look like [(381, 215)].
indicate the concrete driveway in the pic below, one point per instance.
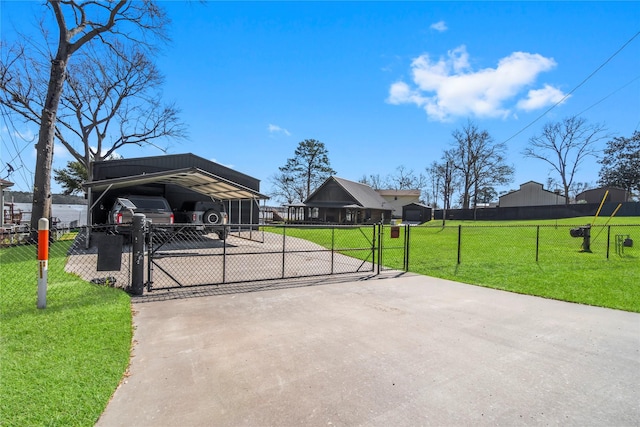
[(394, 351)]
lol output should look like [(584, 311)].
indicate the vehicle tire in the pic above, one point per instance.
[(212, 217), (222, 235)]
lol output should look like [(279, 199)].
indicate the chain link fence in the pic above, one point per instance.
[(438, 247), (185, 255), (69, 262)]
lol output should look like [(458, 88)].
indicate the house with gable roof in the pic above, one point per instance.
[(341, 201)]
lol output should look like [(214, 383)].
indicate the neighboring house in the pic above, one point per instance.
[(399, 198), (597, 194), (416, 213), (339, 200), (531, 194)]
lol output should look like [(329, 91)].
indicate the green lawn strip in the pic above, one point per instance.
[(502, 255), (505, 258), (59, 365)]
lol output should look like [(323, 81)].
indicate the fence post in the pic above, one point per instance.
[(373, 248), (43, 261), (538, 242), (406, 247), (459, 241), (224, 254), (333, 245), (137, 272), (284, 241), (380, 231), (608, 239)]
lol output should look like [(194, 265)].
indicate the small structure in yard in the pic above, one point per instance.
[(340, 201), (416, 213)]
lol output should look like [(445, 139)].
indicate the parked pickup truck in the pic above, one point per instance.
[(209, 217), (156, 210)]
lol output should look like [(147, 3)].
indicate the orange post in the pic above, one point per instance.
[(43, 261)]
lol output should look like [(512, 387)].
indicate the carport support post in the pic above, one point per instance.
[(137, 272)]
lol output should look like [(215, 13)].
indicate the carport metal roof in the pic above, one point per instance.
[(194, 179)]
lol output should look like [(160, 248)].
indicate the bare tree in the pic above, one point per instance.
[(577, 188), (435, 179), (564, 146), (490, 170), (374, 181), (441, 181), (285, 188), (451, 178), (479, 161), (79, 23), (109, 100), (406, 179)]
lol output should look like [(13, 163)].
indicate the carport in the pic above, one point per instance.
[(192, 178)]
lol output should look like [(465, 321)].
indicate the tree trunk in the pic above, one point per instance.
[(41, 207)]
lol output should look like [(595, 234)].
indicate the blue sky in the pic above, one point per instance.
[(384, 84)]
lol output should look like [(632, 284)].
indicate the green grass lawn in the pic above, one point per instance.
[(60, 365), (530, 257)]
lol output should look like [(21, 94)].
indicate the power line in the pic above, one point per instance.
[(574, 89), (21, 169), (612, 93)]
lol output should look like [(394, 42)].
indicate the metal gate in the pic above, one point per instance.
[(185, 255)]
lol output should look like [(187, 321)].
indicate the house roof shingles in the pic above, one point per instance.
[(363, 195)]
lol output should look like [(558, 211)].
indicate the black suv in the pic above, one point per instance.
[(209, 216)]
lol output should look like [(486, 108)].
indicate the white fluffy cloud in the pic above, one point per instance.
[(439, 26), (277, 129), (449, 87), (539, 98)]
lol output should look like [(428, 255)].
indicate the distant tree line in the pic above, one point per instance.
[(473, 165)]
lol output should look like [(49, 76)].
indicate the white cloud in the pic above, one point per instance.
[(277, 129), (401, 93), (449, 87), (539, 98), (439, 26)]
